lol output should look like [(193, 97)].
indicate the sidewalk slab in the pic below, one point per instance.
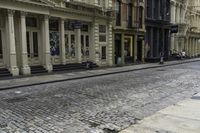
[(183, 117), (58, 77)]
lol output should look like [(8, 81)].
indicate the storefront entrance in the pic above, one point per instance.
[(128, 49), (32, 47), (70, 47), (85, 47)]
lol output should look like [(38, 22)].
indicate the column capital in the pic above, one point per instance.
[(23, 14), (10, 12), (46, 17)]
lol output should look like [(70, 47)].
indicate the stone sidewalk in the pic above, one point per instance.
[(183, 117), (58, 77)]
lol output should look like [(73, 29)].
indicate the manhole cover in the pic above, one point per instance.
[(17, 100)]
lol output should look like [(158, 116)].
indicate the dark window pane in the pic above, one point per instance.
[(103, 51), (102, 28), (28, 43), (31, 22), (84, 28), (69, 25), (35, 44), (102, 38), (87, 41), (53, 25)]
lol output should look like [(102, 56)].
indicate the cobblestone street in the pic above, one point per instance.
[(105, 104)]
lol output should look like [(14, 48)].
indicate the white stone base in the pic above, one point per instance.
[(49, 67), (14, 71), (26, 70)]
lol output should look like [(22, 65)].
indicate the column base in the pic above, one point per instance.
[(49, 67), (14, 71), (26, 70)]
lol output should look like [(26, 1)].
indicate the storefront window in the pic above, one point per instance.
[(72, 47), (66, 45)]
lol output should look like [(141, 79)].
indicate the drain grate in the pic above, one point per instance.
[(17, 100)]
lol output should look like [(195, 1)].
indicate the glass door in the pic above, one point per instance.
[(70, 47), (32, 47), (128, 50), (85, 47)]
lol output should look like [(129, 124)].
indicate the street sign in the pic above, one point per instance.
[(174, 29)]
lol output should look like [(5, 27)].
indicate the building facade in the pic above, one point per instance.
[(128, 31), (47, 33), (157, 38), (186, 14)]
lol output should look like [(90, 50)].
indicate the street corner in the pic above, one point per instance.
[(183, 117)]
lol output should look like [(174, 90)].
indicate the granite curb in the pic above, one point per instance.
[(96, 75)]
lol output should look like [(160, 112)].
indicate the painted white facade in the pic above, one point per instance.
[(28, 39), (186, 14)]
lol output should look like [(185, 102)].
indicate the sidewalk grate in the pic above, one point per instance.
[(161, 70), (17, 100)]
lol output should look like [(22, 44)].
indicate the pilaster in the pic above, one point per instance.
[(135, 47), (110, 46), (122, 48)]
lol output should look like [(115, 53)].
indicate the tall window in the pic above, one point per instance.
[(103, 52), (118, 13), (149, 8), (130, 15), (102, 33), (140, 16)]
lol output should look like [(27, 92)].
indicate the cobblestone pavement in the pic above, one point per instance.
[(105, 104)]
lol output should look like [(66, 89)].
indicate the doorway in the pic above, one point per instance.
[(128, 49), (70, 47), (85, 47), (118, 48), (139, 50), (32, 47)]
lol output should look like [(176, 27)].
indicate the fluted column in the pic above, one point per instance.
[(78, 45), (62, 41), (25, 69), (173, 13), (11, 42), (46, 51)]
